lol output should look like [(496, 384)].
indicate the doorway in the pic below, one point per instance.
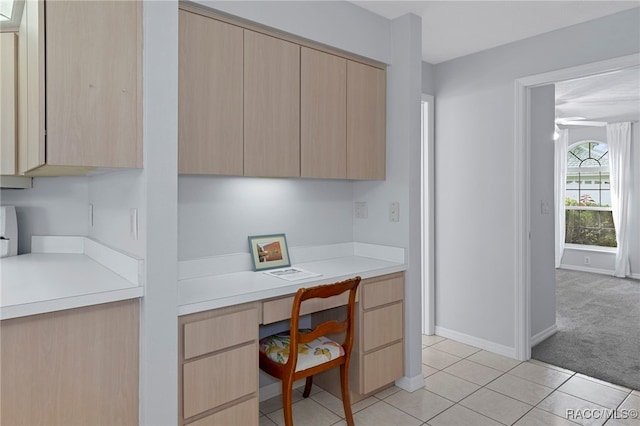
[(524, 261)]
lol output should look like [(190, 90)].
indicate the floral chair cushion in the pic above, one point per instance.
[(316, 352)]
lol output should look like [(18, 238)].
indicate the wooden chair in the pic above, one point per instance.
[(301, 354)]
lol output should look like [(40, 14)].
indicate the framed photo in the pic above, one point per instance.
[(269, 251)]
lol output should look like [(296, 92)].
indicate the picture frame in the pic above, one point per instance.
[(269, 251)]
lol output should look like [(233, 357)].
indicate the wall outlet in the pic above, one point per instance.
[(91, 215), (587, 260), (394, 212), (361, 211), (545, 207)]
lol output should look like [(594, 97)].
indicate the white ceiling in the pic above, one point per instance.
[(609, 97), (451, 29)]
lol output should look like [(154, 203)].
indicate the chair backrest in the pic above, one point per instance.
[(331, 326)]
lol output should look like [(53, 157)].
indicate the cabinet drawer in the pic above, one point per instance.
[(218, 379), (212, 334), (382, 326), (382, 367), (245, 413), (280, 309), (378, 292)]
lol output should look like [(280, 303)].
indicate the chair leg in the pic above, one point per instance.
[(307, 387), (286, 403), (346, 399)]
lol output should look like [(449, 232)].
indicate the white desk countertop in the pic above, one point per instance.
[(217, 291), (87, 274)]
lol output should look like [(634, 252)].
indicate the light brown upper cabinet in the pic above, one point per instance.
[(366, 121), (323, 115), (210, 122), (271, 106), (257, 102), (8, 103), (91, 93)]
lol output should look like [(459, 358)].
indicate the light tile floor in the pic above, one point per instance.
[(467, 386)]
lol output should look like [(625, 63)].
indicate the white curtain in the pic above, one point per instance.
[(619, 141), (560, 179)]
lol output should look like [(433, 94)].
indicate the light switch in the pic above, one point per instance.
[(133, 224)]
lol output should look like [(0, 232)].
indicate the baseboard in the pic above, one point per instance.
[(410, 384), (477, 342), (635, 276), (586, 269), (548, 332)]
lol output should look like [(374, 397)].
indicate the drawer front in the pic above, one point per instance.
[(382, 326), (245, 413), (382, 367), (212, 334), (280, 309), (218, 379), (382, 291)]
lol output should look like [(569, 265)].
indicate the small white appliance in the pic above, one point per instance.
[(8, 231)]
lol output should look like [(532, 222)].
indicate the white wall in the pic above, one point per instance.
[(54, 206), (113, 195), (217, 214), (542, 244), (159, 180), (428, 78), (476, 230)]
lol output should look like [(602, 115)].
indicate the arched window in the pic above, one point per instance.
[(589, 220)]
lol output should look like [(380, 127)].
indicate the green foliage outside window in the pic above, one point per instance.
[(589, 227)]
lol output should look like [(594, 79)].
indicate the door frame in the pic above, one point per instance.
[(522, 277), (427, 185)]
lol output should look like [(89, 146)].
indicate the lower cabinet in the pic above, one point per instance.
[(72, 367), (377, 359), (218, 366), (218, 352)]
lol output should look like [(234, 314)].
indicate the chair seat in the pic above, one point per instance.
[(316, 352)]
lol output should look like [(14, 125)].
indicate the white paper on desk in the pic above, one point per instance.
[(291, 274)]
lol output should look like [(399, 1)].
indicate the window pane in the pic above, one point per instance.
[(590, 227)]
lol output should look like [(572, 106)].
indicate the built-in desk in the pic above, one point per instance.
[(218, 331)]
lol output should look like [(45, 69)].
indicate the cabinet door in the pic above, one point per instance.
[(218, 379), (366, 121), (210, 96), (271, 106), (73, 367), (323, 115), (31, 87), (8, 103), (93, 88), (381, 367)]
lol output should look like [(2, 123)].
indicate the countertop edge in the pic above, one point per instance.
[(53, 305), (206, 305)]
